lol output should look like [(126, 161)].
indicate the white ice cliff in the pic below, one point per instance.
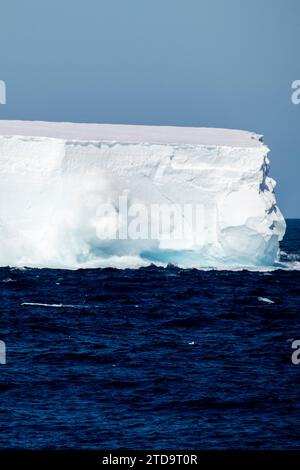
[(62, 186)]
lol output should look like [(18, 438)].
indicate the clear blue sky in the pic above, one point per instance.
[(209, 63)]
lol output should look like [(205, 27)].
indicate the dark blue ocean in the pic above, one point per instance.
[(151, 358)]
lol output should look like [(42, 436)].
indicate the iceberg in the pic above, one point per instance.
[(98, 195)]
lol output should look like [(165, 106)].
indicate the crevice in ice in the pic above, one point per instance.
[(273, 208)]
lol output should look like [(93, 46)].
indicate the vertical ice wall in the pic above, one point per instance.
[(53, 188)]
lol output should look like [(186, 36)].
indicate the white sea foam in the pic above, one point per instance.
[(38, 304), (266, 300)]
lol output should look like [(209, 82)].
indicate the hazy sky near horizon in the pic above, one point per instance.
[(211, 63)]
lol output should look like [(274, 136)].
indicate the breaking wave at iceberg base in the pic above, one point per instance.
[(150, 255), (288, 258), (290, 262), (136, 262)]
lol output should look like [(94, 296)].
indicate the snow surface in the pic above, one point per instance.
[(54, 176), (130, 133)]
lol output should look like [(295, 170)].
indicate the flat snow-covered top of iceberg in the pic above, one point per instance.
[(132, 133)]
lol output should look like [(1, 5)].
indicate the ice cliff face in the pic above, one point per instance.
[(85, 195)]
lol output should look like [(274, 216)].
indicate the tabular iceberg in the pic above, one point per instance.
[(88, 195)]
